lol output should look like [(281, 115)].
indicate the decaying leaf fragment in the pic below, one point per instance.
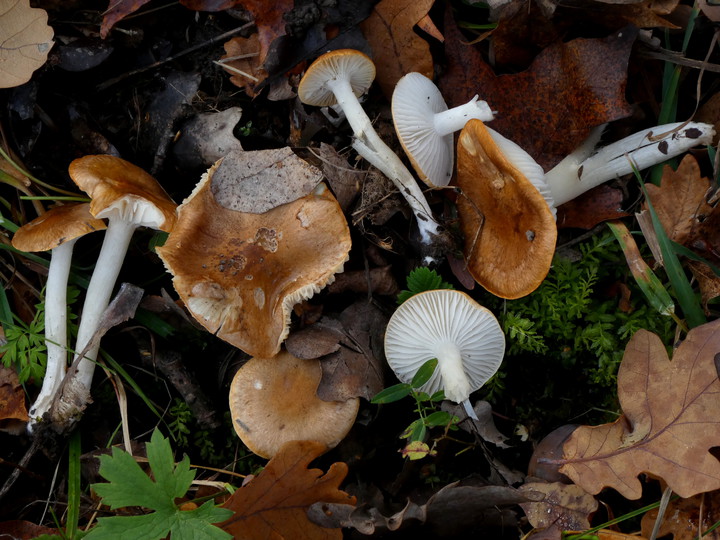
[(682, 517), (25, 40), (565, 507), (671, 418), (13, 413), (274, 503)]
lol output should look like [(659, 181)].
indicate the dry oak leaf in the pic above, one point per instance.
[(396, 48), (274, 504), (25, 40), (682, 517), (679, 200), (670, 420), (564, 507), (242, 55), (551, 107)]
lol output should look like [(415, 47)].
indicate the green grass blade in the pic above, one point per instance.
[(649, 284), (681, 285), (73, 508)]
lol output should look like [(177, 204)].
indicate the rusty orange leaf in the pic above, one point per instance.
[(274, 503), (670, 420), (551, 107)]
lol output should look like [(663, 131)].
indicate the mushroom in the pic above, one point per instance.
[(339, 77), (128, 198), (588, 167), (240, 273), (448, 325), (512, 262), (56, 230), (274, 400), (508, 225), (425, 125)]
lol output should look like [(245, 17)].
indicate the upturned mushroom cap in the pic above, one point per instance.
[(55, 227), (448, 325), (274, 400), (509, 229), (240, 273), (118, 187), (427, 141), (348, 64)]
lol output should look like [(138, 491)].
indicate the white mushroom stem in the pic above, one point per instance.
[(454, 119), (107, 268), (455, 382), (579, 173), (371, 147), (55, 329)]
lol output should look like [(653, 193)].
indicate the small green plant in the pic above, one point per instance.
[(129, 485), (25, 349), (425, 406), (420, 280)]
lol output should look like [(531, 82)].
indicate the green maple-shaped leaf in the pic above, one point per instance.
[(129, 485)]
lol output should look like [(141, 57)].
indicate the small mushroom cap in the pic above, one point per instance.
[(274, 400), (117, 186), (240, 273), (55, 227), (509, 229), (427, 323), (348, 64), (415, 102)]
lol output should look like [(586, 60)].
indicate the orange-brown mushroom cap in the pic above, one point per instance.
[(240, 273), (274, 400), (116, 185), (55, 227), (509, 229)]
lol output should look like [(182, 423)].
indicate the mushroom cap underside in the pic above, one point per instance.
[(415, 102), (354, 66), (509, 229), (118, 186), (240, 274), (55, 227), (274, 400), (432, 321)]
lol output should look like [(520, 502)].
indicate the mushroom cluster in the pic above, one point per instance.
[(127, 197)]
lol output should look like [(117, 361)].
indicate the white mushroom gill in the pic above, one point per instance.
[(448, 325)]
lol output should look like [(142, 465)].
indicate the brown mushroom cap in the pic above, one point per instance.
[(241, 273), (55, 227), (273, 401), (509, 229), (349, 64), (116, 185)]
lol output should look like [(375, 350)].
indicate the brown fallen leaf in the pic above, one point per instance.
[(396, 48), (682, 517), (26, 41), (552, 106), (117, 10), (275, 502), (565, 507), (670, 420), (25, 530), (708, 282), (604, 203), (13, 413), (242, 61), (268, 16), (679, 200)]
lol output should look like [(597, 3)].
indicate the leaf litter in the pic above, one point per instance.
[(550, 84)]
